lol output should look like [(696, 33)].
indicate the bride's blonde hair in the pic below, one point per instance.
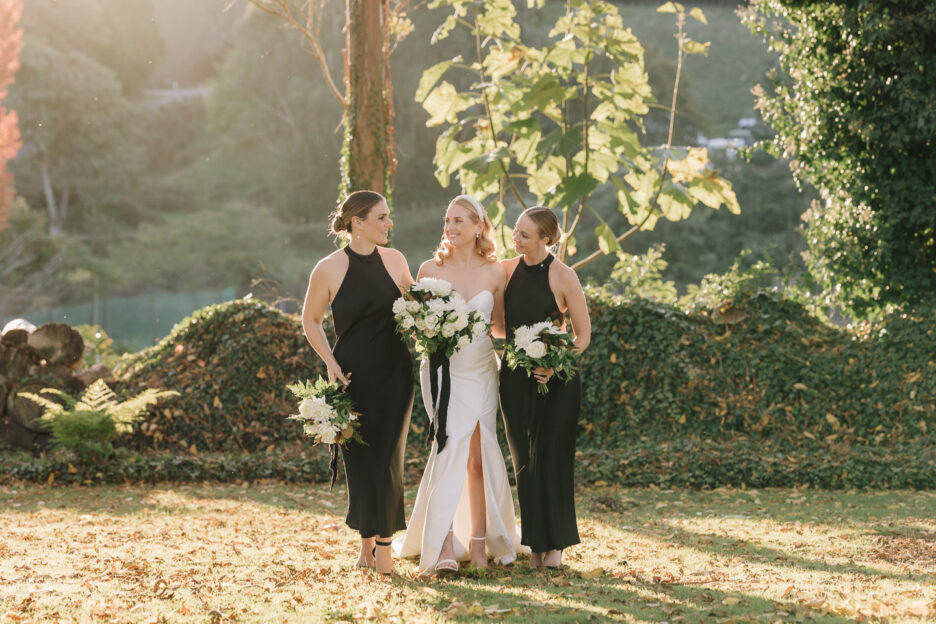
[(484, 245)]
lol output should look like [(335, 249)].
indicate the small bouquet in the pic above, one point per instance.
[(542, 344), (326, 412), (437, 317)]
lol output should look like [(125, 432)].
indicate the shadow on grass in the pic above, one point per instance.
[(570, 598)]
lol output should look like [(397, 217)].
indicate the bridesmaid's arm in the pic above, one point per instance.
[(578, 309), (498, 328), (313, 312)]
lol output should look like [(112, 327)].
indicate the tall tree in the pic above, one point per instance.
[(372, 29), (11, 42), (854, 114)]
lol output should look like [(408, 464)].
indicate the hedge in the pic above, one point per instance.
[(683, 463), (756, 392)]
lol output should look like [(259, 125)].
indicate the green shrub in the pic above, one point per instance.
[(231, 364)]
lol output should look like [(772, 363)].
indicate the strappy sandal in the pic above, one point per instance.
[(480, 539), (377, 543), (445, 566)]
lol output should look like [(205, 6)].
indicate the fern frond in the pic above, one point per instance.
[(97, 397), (51, 408), (128, 412)]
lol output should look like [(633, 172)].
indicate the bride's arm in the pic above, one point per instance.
[(498, 329)]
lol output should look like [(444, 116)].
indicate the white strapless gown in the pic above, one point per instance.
[(442, 499)]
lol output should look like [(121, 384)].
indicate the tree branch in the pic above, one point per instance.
[(309, 31)]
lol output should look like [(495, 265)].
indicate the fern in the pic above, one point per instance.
[(87, 425)]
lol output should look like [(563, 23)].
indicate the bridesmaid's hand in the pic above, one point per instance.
[(543, 374), (335, 374)]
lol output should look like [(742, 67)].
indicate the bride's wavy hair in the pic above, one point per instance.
[(484, 244)]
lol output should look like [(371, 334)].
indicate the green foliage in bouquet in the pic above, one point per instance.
[(326, 412), (88, 425)]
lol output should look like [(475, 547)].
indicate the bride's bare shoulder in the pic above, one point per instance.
[(429, 268)]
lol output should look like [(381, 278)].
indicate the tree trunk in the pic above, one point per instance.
[(369, 161)]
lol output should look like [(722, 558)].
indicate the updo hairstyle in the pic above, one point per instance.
[(547, 224), (357, 204)]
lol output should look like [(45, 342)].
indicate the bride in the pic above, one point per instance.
[(464, 509)]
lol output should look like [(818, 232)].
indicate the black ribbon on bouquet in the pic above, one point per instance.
[(437, 426), (333, 464)]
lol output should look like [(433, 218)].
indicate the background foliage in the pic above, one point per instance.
[(852, 110)]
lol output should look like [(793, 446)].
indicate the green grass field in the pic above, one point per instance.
[(275, 553)]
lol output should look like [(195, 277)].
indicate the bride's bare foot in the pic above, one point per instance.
[(366, 559), (479, 552), (552, 559), (536, 560), (383, 558), (446, 560)]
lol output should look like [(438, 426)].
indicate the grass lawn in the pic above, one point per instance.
[(277, 553)]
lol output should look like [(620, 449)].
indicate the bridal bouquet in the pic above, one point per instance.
[(542, 344), (326, 412), (438, 318)]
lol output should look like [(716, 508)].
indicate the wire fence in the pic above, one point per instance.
[(133, 322)]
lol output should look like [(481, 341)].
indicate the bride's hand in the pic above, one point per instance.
[(335, 374), (543, 374)]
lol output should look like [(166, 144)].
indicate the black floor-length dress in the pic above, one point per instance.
[(381, 387), (541, 429)]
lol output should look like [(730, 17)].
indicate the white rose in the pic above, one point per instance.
[(535, 349), (479, 328), (436, 306), (420, 323), (432, 321), (407, 322), (399, 305), (412, 307), (448, 330), (430, 333), (463, 341)]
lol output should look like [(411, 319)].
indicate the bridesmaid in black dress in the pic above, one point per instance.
[(361, 282), (541, 429)]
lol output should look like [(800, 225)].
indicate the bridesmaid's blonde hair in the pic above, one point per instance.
[(484, 245)]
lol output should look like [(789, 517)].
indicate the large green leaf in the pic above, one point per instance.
[(573, 188), (444, 103), (431, 76), (607, 241)]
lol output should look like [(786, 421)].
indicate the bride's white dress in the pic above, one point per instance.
[(442, 499)]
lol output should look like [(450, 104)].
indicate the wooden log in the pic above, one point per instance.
[(14, 338), (58, 344), (25, 412), (4, 388), (18, 362)]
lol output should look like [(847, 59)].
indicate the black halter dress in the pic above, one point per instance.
[(381, 387), (541, 428)]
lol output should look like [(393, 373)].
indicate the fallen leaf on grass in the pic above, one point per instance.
[(591, 574), (429, 590), (918, 607), (731, 600)]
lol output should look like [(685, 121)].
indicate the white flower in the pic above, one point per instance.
[(523, 336), (437, 287), (412, 307), (399, 305), (555, 330), (479, 328), (463, 341), (460, 321), (407, 322), (535, 349), (448, 330), (437, 306), (315, 409), (432, 321), (430, 333), (420, 323)]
